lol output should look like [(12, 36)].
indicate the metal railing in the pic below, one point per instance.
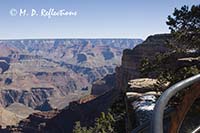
[(157, 118), (196, 130)]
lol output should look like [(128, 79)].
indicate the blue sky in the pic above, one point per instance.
[(95, 18)]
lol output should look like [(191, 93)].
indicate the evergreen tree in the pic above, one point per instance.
[(185, 26)]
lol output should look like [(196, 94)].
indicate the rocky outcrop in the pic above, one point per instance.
[(102, 86), (140, 99), (8, 118), (140, 92), (20, 110), (33, 98), (64, 120), (131, 59), (143, 108)]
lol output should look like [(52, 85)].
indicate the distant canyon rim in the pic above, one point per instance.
[(45, 74)]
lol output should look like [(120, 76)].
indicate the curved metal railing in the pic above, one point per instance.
[(196, 130), (157, 118)]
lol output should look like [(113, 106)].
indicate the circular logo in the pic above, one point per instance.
[(13, 12)]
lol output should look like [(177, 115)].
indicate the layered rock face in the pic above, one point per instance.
[(140, 92), (64, 120), (8, 118), (33, 81), (92, 57), (49, 74), (104, 85), (140, 96), (14, 114), (131, 59)]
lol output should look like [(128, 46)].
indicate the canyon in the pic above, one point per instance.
[(47, 74), (103, 93), (50, 109)]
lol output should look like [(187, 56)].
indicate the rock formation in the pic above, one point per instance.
[(140, 92), (48, 74)]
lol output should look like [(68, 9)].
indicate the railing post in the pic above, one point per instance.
[(157, 118)]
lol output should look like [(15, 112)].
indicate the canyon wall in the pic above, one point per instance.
[(86, 112), (131, 59)]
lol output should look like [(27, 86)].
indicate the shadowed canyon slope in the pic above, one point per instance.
[(140, 93), (87, 111), (47, 74)]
